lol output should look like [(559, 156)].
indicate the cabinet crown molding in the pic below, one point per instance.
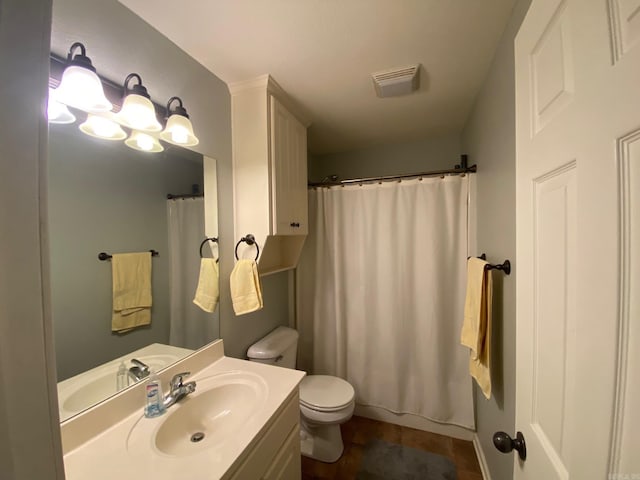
[(268, 83)]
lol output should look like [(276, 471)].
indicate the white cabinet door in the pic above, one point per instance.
[(578, 126), (299, 197), (288, 172), (287, 465)]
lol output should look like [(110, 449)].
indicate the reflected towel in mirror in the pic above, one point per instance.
[(131, 291), (208, 290)]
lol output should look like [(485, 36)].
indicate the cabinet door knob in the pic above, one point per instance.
[(295, 224)]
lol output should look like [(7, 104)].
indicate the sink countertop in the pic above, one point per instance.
[(108, 455)]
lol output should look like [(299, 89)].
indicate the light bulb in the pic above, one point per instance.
[(57, 112), (101, 127), (104, 127), (81, 88), (144, 141), (138, 113), (179, 131), (180, 135)]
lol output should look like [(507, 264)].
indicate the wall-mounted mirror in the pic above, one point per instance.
[(106, 197)]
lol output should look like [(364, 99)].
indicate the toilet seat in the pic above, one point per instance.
[(325, 393)]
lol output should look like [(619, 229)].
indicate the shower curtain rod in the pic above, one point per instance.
[(457, 170)]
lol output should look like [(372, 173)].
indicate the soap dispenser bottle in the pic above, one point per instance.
[(153, 397), (121, 377)]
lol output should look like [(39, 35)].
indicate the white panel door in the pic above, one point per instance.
[(577, 108)]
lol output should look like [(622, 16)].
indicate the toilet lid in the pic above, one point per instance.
[(325, 393)]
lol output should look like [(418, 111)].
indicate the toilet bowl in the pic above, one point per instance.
[(325, 401)]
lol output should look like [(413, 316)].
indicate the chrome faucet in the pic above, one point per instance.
[(178, 390), (138, 371)]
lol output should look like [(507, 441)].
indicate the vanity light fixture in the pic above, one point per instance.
[(80, 86), (102, 127), (58, 112), (138, 113), (143, 142), (178, 130)]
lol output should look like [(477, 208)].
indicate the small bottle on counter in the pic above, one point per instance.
[(121, 377), (154, 406)]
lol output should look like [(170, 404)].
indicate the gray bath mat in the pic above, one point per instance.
[(388, 461)]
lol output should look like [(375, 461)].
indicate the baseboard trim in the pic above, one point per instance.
[(482, 460), (413, 421)]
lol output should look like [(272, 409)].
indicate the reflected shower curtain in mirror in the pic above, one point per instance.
[(381, 286), (190, 327)]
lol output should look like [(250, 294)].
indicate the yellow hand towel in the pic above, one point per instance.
[(208, 290), (476, 328), (131, 291), (246, 293)]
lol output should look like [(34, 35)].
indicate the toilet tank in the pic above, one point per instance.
[(278, 348)]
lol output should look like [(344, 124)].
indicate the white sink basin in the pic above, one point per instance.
[(219, 409)]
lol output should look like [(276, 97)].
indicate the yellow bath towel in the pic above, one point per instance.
[(208, 290), (246, 292), (476, 328), (131, 291)]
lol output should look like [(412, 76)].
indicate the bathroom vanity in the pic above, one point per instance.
[(242, 422)]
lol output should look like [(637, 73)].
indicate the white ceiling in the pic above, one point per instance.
[(322, 52)]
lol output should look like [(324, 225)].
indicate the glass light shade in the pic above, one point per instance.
[(58, 112), (138, 113), (101, 127), (179, 131), (81, 88), (144, 142)]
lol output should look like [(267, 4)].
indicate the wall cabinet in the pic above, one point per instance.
[(269, 173)]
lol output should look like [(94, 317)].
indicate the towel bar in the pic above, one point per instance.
[(504, 266), (105, 256)]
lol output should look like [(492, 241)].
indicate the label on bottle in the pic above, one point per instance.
[(154, 405), (152, 391)]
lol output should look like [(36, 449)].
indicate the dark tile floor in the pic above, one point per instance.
[(359, 430)]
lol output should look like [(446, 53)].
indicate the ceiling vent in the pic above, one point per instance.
[(398, 81)]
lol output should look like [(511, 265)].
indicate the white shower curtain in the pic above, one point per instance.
[(190, 327), (381, 287)]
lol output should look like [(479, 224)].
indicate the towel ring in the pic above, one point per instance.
[(208, 239), (249, 240)]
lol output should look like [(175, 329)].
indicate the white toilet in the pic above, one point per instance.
[(325, 401)]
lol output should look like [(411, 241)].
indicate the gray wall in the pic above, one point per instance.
[(118, 43), (412, 157), (123, 43), (240, 332), (489, 138), (107, 197), (30, 445)]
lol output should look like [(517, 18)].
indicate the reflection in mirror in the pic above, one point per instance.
[(106, 197)]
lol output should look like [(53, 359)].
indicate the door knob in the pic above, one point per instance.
[(503, 442)]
